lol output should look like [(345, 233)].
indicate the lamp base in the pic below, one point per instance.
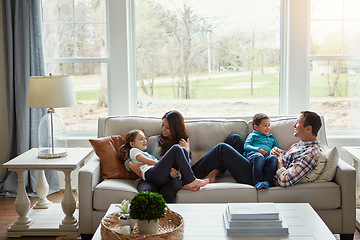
[(52, 153)]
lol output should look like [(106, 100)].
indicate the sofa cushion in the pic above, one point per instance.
[(113, 191), (205, 134), (326, 195), (219, 192), (118, 125), (332, 158), (111, 164)]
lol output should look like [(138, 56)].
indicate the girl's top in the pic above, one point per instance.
[(134, 152)]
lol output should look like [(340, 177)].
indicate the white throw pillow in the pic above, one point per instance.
[(317, 171), (332, 159)]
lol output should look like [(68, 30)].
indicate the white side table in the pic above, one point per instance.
[(354, 154), (46, 218)]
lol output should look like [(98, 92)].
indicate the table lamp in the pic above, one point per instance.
[(53, 91)]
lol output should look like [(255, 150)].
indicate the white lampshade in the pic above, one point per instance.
[(51, 92)]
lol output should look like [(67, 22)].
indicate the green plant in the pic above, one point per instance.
[(124, 209), (147, 206)]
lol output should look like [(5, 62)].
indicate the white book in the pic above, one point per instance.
[(267, 223), (284, 230), (253, 211)]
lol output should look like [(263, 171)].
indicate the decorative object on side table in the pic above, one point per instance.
[(145, 207), (51, 92)]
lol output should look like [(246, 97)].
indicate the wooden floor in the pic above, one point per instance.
[(8, 215)]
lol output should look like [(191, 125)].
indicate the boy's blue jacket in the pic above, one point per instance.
[(257, 140)]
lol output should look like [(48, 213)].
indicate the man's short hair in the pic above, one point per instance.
[(312, 119), (258, 118)]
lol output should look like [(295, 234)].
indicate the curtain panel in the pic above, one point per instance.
[(25, 58)]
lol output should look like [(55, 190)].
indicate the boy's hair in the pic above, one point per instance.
[(258, 118), (125, 148), (312, 119)]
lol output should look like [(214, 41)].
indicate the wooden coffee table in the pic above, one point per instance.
[(205, 221)]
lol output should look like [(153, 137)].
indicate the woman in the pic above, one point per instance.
[(173, 131)]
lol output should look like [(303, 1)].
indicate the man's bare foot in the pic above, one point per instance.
[(212, 175), (196, 184)]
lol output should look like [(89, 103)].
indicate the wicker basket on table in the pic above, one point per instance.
[(170, 227)]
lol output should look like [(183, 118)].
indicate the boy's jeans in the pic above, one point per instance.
[(264, 167)]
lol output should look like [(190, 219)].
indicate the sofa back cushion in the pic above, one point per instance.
[(113, 125), (205, 134)]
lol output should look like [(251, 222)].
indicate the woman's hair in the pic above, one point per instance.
[(177, 129), (125, 148)]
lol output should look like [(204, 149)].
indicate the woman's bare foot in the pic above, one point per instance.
[(212, 175), (196, 184)]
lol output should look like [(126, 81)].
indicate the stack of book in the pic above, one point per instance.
[(253, 219)]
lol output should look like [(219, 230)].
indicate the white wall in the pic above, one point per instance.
[(4, 126)]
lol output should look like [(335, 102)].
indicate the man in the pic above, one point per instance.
[(301, 157)]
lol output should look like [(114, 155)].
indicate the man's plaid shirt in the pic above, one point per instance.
[(300, 159)]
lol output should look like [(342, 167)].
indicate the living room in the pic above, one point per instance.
[(285, 89)]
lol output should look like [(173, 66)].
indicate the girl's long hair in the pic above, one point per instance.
[(177, 129), (125, 148)]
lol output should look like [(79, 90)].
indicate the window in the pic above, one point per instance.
[(335, 62), (208, 58), (75, 41), (205, 58)]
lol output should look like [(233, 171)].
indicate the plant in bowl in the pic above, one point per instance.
[(124, 212), (147, 208)]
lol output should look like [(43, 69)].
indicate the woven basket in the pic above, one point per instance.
[(170, 227)]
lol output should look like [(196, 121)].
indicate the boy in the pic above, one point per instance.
[(257, 150)]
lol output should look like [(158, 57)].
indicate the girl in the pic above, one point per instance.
[(162, 171)]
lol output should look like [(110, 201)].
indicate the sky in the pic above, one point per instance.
[(236, 14)]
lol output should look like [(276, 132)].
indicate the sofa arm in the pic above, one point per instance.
[(88, 178), (345, 177)]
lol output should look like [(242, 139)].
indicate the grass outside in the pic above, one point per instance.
[(265, 85), (228, 96)]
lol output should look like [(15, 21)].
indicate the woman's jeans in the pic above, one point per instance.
[(264, 167), (176, 157), (226, 156)]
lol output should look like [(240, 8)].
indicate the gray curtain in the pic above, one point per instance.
[(25, 58)]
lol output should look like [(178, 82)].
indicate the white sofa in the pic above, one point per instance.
[(334, 201)]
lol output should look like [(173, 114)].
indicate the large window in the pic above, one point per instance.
[(208, 57), (335, 62)]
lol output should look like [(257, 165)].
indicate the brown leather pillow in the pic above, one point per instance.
[(111, 163)]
